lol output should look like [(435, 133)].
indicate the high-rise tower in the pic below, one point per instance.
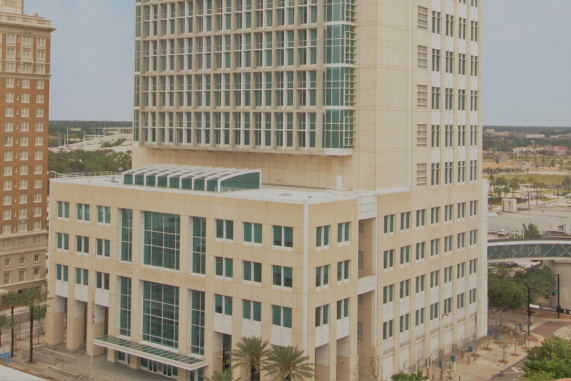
[(25, 41), (304, 171)]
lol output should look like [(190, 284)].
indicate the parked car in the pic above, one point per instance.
[(503, 232), (490, 231)]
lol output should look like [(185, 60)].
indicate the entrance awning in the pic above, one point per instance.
[(150, 353)]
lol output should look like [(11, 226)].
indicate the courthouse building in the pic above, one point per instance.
[(304, 171)]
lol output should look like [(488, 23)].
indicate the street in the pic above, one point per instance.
[(515, 373)]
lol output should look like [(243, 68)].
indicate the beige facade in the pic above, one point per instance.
[(401, 168), (25, 42)]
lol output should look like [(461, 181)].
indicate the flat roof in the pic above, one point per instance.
[(283, 194)]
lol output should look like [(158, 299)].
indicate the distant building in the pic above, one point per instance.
[(535, 136), (559, 150), (24, 105)]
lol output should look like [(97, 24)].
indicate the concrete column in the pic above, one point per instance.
[(75, 324), (182, 375), (55, 320), (135, 362), (111, 356)]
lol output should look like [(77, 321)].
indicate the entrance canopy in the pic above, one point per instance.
[(150, 352)]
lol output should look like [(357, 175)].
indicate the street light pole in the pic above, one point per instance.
[(558, 298), (529, 310)]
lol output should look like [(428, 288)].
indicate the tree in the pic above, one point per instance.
[(358, 372), (33, 298), (543, 279), (376, 368), (39, 316), (551, 359), (505, 293), (250, 355), (531, 231), (506, 190), (5, 323), (505, 342), (514, 185), (12, 299), (289, 363), (221, 375), (567, 181), (403, 376)]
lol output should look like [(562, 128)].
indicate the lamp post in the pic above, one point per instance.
[(529, 309)]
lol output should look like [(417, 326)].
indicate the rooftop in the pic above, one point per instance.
[(282, 194), (31, 20)]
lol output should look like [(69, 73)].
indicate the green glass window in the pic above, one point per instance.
[(126, 235), (174, 182), (228, 305), (257, 233), (199, 245), (219, 266), (199, 185), (100, 214), (187, 183), (218, 307), (257, 311), (125, 306), (247, 270), (65, 273), (276, 315), (220, 229), (326, 314), (288, 237), (59, 240), (162, 182), (346, 307), (228, 271), (161, 240), (58, 272), (246, 309), (85, 277), (150, 181), (197, 319), (139, 179), (277, 235), (160, 314), (339, 233), (318, 236), (287, 317), (229, 230), (247, 232)]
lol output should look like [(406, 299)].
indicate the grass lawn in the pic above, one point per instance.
[(547, 179)]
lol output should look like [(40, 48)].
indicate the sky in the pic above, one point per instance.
[(526, 60)]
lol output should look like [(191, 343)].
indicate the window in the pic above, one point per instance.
[(82, 244), (62, 272), (40, 84), (473, 170), (461, 210), (435, 22), (435, 174), (225, 230), (342, 309), (62, 209), (390, 224), (104, 215), (420, 282), (322, 236), (435, 59), (448, 213), (39, 98), (460, 301), (252, 271), (450, 25), (322, 276), (102, 281), (281, 316), (343, 270), (198, 245), (462, 100), (9, 112), (252, 233), (473, 296), (37, 183), (62, 241), (434, 311), (224, 267), (435, 137), (82, 212), (461, 172), (405, 289), (419, 314), (251, 310), (321, 315), (7, 187), (223, 305), (405, 221), (421, 218), (125, 306), (161, 240), (447, 306), (359, 331), (422, 96), (474, 136), (387, 329), (360, 260), (388, 259), (164, 312), (473, 266), (434, 278), (421, 136), (343, 232), (404, 321), (422, 57), (447, 274), (405, 255), (448, 244), (460, 270), (8, 141), (420, 251), (422, 18), (283, 236), (23, 199), (474, 30), (436, 98), (39, 155), (473, 100), (6, 278), (21, 276), (282, 276), (103, 247), (126, 231), (473, 237), (435, 215), (461, 241), (81, 277), (421, 175)]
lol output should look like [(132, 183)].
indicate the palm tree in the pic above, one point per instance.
[(221, 375), (250, 355), (5, 323), (32, 298), (289, 364), (12, 299)]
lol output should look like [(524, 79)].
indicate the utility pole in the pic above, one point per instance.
[(558, 298), (529, 309)]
